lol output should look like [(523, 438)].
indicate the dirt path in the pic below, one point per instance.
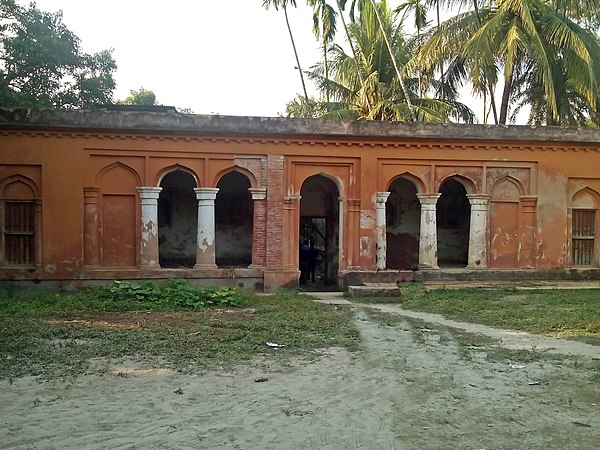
[(516, 340), (408, 387)]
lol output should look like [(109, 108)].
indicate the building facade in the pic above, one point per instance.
[(91, 196)]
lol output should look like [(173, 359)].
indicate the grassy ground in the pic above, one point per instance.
[(573, 314), (59, 335)]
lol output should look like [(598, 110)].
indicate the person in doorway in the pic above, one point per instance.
[(312, 261), (304, 252)]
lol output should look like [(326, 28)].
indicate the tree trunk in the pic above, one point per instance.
[(505, 99), (354, 54), (389, 47), (287, 21)]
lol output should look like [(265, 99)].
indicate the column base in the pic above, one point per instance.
[(428, 267), (149, 266), (476, 267), (205, 266)]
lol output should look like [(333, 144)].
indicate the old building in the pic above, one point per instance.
[(90, 196)]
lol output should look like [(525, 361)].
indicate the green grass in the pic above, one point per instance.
[(56, 335), (573, 314)]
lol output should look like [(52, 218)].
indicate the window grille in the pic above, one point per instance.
[(584, 234), (19, 233)]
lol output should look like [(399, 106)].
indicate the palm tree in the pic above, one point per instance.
[(365, 85), (545, 59), (283, 5), (324, 26)]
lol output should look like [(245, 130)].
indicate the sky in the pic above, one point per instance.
[(228, 57)]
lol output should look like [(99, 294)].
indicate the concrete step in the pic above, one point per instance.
[(374, 290)]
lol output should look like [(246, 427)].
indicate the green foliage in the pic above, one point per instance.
[(172, 293), (42, 65), (142, 97)]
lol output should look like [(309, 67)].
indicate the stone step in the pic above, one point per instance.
[(374, 290)]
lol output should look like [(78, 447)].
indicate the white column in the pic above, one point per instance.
[(478, 231), (205, 238), (149, 237), (428, 236), (381, 230)]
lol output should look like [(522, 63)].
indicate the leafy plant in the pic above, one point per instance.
[(174, 293)]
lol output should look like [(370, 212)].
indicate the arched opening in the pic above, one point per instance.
[(319, 227), (233, 218), (453, 220), (403, 216), (177, 220)]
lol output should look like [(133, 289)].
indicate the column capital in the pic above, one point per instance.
[(428, 199), (382, 198), (478, 201), (206, 193), (258, 193), (149, 192)]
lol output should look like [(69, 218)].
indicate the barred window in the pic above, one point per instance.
[(19, 233), (584, 235)]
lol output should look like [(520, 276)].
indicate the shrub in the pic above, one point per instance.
[(174, 292)]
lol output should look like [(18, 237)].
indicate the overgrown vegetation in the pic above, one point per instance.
[(571, 314), (175, 325)]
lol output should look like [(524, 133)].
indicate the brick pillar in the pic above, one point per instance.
[(205, 235), (149, 235), (91, 255), (259, 227), (380, 230), (478, 231), (428, 237), (527, 231)]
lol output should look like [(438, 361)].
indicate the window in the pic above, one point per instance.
[(584, 233), (19, 233)]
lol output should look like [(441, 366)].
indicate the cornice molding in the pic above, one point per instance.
[(340, 141)]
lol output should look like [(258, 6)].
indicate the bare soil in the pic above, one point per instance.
[(412, 385)]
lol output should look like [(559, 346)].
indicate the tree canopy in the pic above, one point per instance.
[(524, 58), (42, 64)]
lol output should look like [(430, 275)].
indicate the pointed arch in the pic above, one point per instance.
[(585, 198), (403, 215), (584, 227), (20, 222), (507, 188), (417, 181), (468, 184), (241, 170), (170, 169), (115, 166), (336, 180), (234, 213), (19, 187)]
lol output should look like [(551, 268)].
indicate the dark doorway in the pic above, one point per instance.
[(177, 220), (403, 224), (234, 218), (319, 224), (453, 221)]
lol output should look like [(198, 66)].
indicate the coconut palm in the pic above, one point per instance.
[(367, 86), (324, 26), (545, 59), (283, 5)]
